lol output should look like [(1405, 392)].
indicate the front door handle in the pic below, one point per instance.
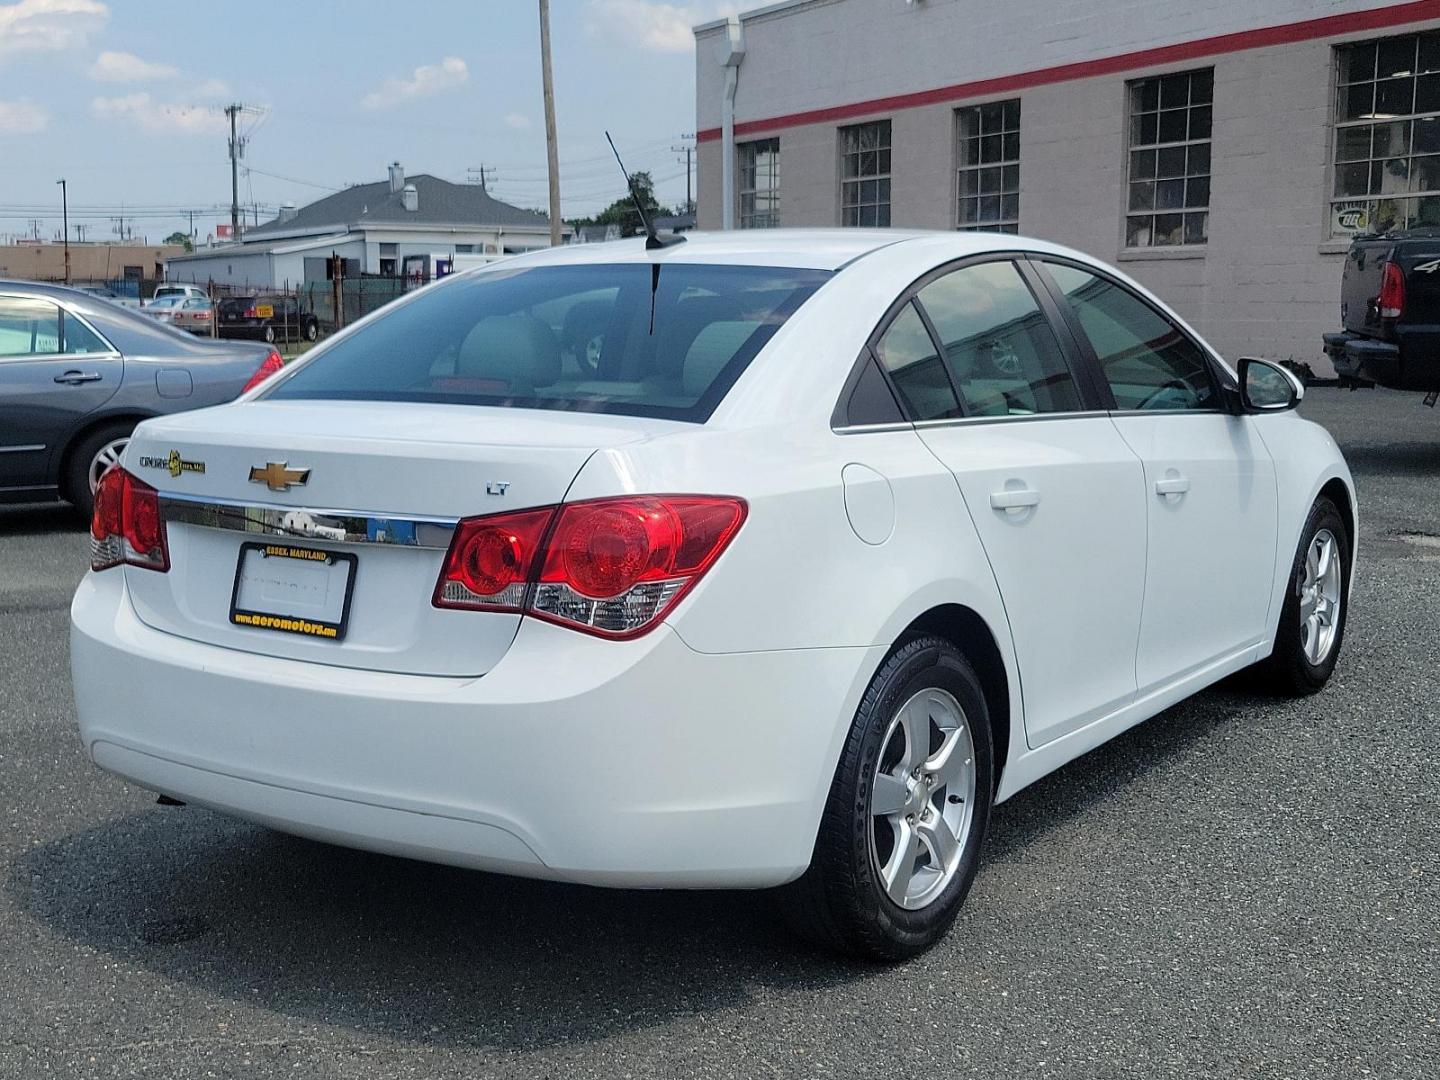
[(1172, 485), (1014, 499), (75, 378)]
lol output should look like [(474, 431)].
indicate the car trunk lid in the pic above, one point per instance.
[(315, 501)]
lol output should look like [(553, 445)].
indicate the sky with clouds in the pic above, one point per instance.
[(124, 99)]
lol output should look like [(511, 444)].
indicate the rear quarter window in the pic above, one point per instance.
[(640, 339)]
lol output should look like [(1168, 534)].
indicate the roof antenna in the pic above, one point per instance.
[(652, 239)]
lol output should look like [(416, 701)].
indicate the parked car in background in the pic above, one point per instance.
[(163, 309), (1390, 313), (841, 538), (169, 289), (77, 373), (106, 293), (266, 318), (192, 313)]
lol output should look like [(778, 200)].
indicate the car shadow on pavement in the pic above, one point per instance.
[(39, 518), (1107, 770), (401, 949), (1396, 459), (453, 958)]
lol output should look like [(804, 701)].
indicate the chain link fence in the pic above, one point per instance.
[(296, 314)]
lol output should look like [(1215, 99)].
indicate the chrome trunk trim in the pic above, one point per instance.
[(308, 523)]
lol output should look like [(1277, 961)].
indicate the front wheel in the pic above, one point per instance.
[(312, 331), (900, 839), (1312, 620)]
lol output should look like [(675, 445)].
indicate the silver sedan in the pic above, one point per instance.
[(77, 374)]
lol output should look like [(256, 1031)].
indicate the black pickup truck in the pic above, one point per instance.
[(1390, 310)]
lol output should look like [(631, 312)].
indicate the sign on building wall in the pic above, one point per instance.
[(1354, 218)]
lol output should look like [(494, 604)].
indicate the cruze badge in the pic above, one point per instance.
[(173, 463), (277, 475), (497, 487)]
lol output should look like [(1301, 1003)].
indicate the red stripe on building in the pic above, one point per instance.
[(1308, 30)]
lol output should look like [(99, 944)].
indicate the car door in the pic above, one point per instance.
[(54, 369), (1210, 481), (1055, 494)]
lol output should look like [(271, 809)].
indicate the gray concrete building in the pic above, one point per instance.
[(1221, 153)]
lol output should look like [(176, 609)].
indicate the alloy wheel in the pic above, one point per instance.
[(107, 455), (922, 799), (1320, 597)]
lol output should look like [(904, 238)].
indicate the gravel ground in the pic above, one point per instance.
[(1240, 887)]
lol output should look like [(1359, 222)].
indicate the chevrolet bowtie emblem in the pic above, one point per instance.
[(278, 476)]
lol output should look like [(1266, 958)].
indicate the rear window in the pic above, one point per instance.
[(639, 339)]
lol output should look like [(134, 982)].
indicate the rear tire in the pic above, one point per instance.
[(269, 335), (88, 459), (893, 900), (1317, 599), (312, 330)]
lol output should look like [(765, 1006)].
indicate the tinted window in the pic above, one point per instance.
[(28, 327), (907, 352), (642, 339), (1148, 362), (80, 339), (1000, 347)]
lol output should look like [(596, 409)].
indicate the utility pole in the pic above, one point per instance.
[(552, 153), (477, 174), (192, 224), (80, 231), (688, 150), (232, 111), (65, 224)]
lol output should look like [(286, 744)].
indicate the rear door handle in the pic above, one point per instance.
[(1172, 485), (75, 378), (1014, 499)]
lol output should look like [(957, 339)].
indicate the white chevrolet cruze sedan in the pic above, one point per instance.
[(763, 559)]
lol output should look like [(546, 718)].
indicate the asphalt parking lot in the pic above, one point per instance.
[(1241, 887)]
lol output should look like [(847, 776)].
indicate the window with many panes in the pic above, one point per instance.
[(1169, 168), (987, 139), (865, 174), (1387, 135), (760, 184)]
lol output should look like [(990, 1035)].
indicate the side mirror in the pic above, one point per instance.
[(1268, 387)]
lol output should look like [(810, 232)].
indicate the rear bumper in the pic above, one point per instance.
[(1362, 359), (639, 763)]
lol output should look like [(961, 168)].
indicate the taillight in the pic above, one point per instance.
[(272, 364), (612, 567), (248, 313), (1392, 292), (488, 565), (126, 526)]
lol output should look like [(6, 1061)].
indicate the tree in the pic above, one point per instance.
[(622, 211), (183, 239)]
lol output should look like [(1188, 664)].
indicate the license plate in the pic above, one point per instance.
[(293, 590), (264, 311)]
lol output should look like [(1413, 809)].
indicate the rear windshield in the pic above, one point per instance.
[(639, 339)]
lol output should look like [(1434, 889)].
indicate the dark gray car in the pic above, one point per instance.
[(78, 373)]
